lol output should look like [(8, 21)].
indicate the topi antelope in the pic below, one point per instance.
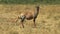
[(29, 16)]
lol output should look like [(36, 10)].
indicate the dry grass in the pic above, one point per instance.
[(48, 21)]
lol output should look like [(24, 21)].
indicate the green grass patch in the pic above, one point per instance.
[(29, 1)]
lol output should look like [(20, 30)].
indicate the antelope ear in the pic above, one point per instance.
[(19, 17)]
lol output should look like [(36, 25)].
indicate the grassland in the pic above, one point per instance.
[(48, 21), (29, 1)]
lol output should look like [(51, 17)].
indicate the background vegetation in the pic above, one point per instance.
[(29, 1)]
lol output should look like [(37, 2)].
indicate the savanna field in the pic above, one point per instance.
[(47, 22)]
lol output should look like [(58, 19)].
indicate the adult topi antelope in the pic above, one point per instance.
[(29, 16)]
